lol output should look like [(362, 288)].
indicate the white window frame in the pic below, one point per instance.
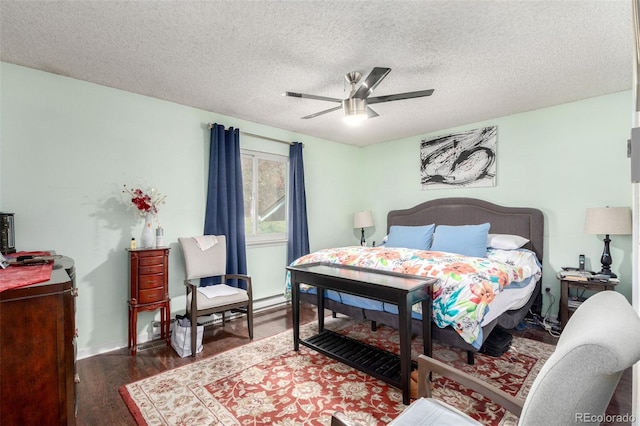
[(268, 239)]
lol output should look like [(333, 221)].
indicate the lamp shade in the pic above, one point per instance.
[(362, 219), (608, 221)]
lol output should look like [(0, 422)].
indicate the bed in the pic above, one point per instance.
[(513, 299)]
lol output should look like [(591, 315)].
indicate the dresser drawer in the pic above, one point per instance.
[(152, 269), (151, 281), (151, 295), (151, 260)]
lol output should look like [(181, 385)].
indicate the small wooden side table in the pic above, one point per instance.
[(567, 283), (149, 289)]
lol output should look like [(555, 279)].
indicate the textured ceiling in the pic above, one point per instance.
[(485, 59)]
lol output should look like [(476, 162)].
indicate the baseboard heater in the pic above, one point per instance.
[(258, 306)]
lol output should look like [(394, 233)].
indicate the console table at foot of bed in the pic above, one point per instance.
[(402, 290)]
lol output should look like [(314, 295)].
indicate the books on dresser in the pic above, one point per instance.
[(586, 276)]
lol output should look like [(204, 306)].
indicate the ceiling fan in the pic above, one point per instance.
[(356, 106)]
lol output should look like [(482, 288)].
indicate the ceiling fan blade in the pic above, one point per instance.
[(400, 96), (371, 82), (322, 112), (371, 113), (306, 96)]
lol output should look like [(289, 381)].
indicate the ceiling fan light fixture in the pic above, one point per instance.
[(356, 107), (355, 110)]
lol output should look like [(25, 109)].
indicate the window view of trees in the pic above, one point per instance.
[(265, 181)]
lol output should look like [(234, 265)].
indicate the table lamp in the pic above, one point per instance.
[(608, 221), (362, 220)]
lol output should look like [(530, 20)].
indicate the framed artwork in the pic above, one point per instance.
[(466, 159)]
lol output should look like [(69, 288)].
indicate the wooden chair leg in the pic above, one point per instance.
[(193, 319), (250, 320)]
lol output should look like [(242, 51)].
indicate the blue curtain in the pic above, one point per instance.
[(225, 205), (298, 244)]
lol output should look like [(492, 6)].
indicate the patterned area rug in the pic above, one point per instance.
[(266, 382)]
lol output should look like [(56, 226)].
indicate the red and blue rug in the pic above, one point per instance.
[(266, 382)]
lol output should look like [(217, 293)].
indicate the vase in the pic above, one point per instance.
[(148, 237)]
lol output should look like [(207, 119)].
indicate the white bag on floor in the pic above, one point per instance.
[(181, 336)]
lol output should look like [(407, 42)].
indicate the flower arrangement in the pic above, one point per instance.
[(145, 201)]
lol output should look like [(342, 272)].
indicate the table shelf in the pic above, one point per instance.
[(369, 359)]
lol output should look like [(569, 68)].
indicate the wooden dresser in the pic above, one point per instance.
[(37, 351), (149, 289)]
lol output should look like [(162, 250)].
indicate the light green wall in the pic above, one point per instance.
[(561, 160), (67, 146)]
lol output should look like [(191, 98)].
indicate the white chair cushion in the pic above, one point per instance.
[(218, 290), (428, 411), (213, 302)]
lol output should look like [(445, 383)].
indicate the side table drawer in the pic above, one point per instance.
[(590, 286), (151, 260), (152, 269), (151, 281), (151, 295)]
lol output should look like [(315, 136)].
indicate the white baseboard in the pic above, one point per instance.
[(258, 305), (153, 330)]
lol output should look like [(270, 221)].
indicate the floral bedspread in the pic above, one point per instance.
[(465, 286)]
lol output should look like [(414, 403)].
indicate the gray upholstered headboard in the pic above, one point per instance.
[(523, 221)]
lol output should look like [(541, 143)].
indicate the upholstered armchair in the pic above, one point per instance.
[(574, 386), (207, 257)]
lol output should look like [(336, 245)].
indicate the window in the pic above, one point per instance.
[(264, 177)]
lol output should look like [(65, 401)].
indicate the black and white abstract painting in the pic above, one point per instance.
[(466, 159)]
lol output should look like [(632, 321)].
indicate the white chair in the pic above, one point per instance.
[(574, 386), (212, 262)]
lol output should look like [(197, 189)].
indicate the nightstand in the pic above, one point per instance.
[(569, 303)]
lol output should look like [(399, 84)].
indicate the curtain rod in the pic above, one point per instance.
[(210, 126)]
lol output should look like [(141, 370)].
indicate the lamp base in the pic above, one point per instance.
[(608, 273), (606, 260)]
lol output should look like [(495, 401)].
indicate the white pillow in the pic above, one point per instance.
[(505, 241), (523, 258)]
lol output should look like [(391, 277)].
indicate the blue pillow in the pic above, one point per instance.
[(414, 237), (468, 240)]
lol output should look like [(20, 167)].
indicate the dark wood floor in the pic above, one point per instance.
[(100, 403)]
